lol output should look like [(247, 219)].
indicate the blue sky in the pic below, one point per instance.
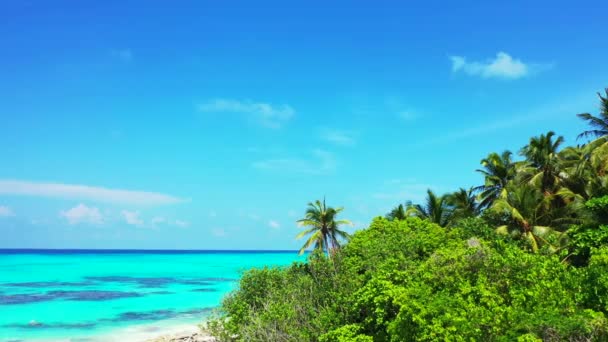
[(211, 124)]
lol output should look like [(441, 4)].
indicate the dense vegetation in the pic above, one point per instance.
[(522, 257)]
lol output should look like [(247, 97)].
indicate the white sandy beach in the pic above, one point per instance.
[(158, 333), (166, 331)]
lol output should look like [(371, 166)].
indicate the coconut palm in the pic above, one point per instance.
[(398, 213), (599, 124), (542, 168), (498, 170), (585, 171), (322, 226), (464, 203), (435, 209), (526, 210)]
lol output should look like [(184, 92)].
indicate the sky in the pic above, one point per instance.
[(211, 124)]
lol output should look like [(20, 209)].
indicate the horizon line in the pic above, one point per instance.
[(143, 250)]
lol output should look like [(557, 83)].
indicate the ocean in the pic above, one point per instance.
[(109, 295)]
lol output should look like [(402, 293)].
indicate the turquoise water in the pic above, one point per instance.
[(68, 296)]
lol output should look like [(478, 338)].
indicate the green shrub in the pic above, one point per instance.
[(411, 280), (346, 333), (599, 207)]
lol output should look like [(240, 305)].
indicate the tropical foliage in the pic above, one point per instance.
[(521, 257), (412, 280), (599, 124), (321, 224)]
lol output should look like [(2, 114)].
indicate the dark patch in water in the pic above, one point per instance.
[(197, 282), (92, 295), (155, 282), (218, 279), (25, 298), (162, 292), (143, 282), (204, 290), (41, 284), (196, 311), (51, 326), (156, 315)]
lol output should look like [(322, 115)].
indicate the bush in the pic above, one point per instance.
[(412, 280), (599, 207)]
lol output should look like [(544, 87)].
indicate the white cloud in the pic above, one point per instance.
[(132, 218), (82, 214), (560, 108), (406, 191), (84, 192), (158, 220), (6, 211), (407, 115), (274, 224), (322, 162), (343, 138), (125, 55), (502, 66), (273, 116), (212, 214), (182, 224), (254, 217), (400, 107), (218, 232)]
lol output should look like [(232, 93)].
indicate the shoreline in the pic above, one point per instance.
[(168, 331), (175, 332), (184, 336)]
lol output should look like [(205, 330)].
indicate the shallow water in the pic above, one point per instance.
[(69, 296)]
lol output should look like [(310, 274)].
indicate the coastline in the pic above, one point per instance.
[(168, 331), (153, 332), (184, 336)]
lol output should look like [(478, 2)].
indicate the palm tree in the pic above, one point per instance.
[(599, 124), (464, 203), (542, 156), (498, 170), (585, 171), (323, 227), (398, 213), (435, 210), (527, 214)]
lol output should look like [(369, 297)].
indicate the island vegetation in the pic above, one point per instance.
[(521, 257)]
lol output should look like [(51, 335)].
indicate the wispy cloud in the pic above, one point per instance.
[(560, 108), (274, 224), (85, 192), (502, 66), (338, 137), (405, 190), (132, 218), (125, 55), (321, 162), (407, 115), (218, 232), (6, 211), (266, 114), (82, 214), (156, 221), (400, 107), (181, 223)]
